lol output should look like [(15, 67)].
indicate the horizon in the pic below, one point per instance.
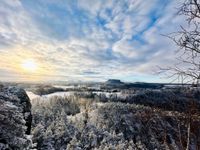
[(51, 41), (88, 82)]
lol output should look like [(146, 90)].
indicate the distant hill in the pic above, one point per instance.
[(115, 83), (144, 85)]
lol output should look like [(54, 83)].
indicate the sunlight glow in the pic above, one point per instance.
[(29, 65)]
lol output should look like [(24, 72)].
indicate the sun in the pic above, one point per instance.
[(29, 65)]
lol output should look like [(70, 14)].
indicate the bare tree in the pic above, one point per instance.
[(188, 41)]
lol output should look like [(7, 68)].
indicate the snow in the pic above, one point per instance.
[(64, 86), (32, 96)]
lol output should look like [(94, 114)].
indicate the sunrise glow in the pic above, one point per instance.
[(29, 65)]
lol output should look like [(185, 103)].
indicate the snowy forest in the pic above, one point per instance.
[(107, 114)]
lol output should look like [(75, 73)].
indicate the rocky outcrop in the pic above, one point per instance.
[(114, 81), (15, 118)]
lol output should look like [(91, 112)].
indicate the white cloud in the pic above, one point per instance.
[(108, 48), (126, 49)]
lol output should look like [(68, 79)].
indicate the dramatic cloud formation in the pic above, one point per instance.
[(87, 39)]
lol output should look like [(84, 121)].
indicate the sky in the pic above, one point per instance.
[(86, 40)]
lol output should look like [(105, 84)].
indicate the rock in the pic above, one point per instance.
[(114, 81), (15, 118)]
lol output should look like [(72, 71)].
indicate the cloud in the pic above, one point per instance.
[(126, 49), (86, 39)]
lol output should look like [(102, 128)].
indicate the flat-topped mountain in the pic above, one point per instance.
[(114, 81)]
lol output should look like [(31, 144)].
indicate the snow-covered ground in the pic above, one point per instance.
[(65, 87), (31, 95), (108, 93)]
